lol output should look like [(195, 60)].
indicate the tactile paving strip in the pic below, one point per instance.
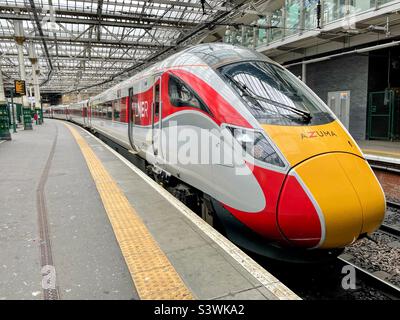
[(154, 276)]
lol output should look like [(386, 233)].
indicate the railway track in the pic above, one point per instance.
[(394, 205), (378, 255), (326, 281), (371, 281), (390, 230), (391, 225), (385, 166), (388, 174)]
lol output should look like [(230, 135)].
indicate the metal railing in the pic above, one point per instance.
[(294, 17)]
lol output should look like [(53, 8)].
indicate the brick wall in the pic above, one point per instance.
[(342, 74)]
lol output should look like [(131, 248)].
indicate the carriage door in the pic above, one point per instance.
[(85, 114), (133, 118), (156, 116), (89, 114)]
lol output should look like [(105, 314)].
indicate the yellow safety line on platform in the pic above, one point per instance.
[(153, 275), (372, 151)]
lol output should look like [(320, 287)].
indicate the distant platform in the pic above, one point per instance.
[(385, 151)]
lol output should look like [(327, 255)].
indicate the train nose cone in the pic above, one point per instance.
[(328, 201)]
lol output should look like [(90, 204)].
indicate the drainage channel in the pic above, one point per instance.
[(50, 291)]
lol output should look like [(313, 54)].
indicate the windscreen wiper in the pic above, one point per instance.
[(248, 92)]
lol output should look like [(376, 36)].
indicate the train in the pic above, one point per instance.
[(273, 169)]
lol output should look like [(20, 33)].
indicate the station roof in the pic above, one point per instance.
[(90, 45)]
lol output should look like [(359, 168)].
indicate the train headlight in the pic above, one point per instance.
[(243, 137), (256, 145)]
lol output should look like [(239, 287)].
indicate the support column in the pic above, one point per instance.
[(3, 101), (255, 37), (36, 89), (302, 23), (2, 95), (30, 96), (304, 72), (20, 39), (243, 36), (35, 74), (4, 114), (268, 31)]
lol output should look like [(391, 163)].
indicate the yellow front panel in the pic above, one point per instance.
[(368, 189), (336, 197), (298, 143)]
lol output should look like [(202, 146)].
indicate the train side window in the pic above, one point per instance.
[(181, 95), (157, 99), (108, 110), (116, 110)]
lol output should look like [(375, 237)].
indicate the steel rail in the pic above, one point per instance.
[(388, 289), (391, 204), (390, 230)]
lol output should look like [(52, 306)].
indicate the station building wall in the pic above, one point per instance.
[(342, 74)]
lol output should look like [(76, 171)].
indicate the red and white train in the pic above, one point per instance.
[(299, 187)]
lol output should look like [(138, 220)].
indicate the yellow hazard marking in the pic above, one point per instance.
[(387, 153), (154, 276)]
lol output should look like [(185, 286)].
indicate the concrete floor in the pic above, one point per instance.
[(88, 261), (86, 255)]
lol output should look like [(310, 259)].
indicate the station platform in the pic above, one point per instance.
[(386, 151), (78, 221)]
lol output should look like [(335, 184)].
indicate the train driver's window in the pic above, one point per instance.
[(181, 95)]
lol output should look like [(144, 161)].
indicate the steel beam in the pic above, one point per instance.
[(83, 58), (101, 43), (39, 28), (87, 17)]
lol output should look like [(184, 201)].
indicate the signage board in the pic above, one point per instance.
[(19, 86)]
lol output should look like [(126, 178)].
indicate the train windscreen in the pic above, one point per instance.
[(273, 95)]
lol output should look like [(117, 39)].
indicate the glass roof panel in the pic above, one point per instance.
[(97, 39)]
